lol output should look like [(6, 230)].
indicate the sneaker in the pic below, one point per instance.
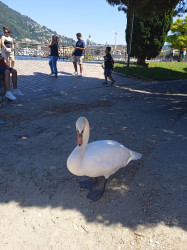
[(80, 75), (52, 74), (17, 92), (75, 74), (112, 83), (10, 96)]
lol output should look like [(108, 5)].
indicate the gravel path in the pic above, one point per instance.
[(41, 204)]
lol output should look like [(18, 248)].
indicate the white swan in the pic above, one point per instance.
[(99, 158)]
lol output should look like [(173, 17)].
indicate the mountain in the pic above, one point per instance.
[(23, 27)]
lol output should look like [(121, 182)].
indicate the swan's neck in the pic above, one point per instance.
[(78, 153), (86, 136)]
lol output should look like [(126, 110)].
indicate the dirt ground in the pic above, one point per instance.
[(41, 204)]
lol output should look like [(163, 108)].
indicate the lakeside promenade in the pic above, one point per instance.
[(41, 204)]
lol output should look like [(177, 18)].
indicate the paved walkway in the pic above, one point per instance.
[(41, 204)]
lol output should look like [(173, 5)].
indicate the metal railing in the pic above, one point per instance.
[(40, 51)]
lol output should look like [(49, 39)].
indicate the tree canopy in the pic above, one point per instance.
[(178, 39), (146, 8), (148, 35)]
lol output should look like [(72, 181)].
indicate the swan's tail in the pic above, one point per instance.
[(135, 155)]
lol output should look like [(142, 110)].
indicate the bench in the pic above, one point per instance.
[(2, 87)]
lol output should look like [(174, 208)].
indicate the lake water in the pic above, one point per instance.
[(37, 58)]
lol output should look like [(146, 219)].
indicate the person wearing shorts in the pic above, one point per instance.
[(6, 71), (2, 34), (108, 64), (78, 54), (7, 51)]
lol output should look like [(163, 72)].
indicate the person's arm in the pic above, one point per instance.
[(3, 45), (112, 62), (12, 44), (81, 48), (50, 42)]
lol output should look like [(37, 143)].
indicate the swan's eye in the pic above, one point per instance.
[(80, 132)]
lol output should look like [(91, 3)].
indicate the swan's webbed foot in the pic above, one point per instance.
[(95, 194), (88, 184)]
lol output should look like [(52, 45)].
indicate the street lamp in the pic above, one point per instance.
[(115, 33)]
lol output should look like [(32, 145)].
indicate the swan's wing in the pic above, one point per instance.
[(105, 156)]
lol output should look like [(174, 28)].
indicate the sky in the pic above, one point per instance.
[(97, 18)]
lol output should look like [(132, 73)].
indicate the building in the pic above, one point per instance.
[(119, 52), (89, 41)]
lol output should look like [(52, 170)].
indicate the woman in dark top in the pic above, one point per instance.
[(8, 48), (53, 45)]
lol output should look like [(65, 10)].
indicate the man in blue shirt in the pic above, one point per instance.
[(78, 54)]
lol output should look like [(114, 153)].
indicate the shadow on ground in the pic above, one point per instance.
[(40, 134)]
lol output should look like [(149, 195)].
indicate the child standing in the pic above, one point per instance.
[(108, 64)]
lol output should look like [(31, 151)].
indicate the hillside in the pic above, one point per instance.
[(24, 27)]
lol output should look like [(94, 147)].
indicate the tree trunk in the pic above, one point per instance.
[(141, 61)]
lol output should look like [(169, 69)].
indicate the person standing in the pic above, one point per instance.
[(53, 45), (78, 54), (7, 43), (108, 64), (184, 54), (2, 34)]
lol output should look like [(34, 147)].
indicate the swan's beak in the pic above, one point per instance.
[(79, 139)]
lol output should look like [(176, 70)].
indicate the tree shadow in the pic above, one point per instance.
[(40, 134)]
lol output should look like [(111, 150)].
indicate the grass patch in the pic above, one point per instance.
[(160, 71)]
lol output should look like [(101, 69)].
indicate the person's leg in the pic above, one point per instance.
[(105, 74), (80, 64), (8, 93), (7, 80), (81, 68), (15, 91), (51, 65), (75, 58), (75, 66), (8, 60), (12, 63), (54, 63), (14, 78), (111, 78)]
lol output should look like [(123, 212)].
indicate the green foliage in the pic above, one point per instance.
[(156, 70), (178, 39), (24, 27), (88, 57), (97, 51), (146, 8), (148, 35)]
